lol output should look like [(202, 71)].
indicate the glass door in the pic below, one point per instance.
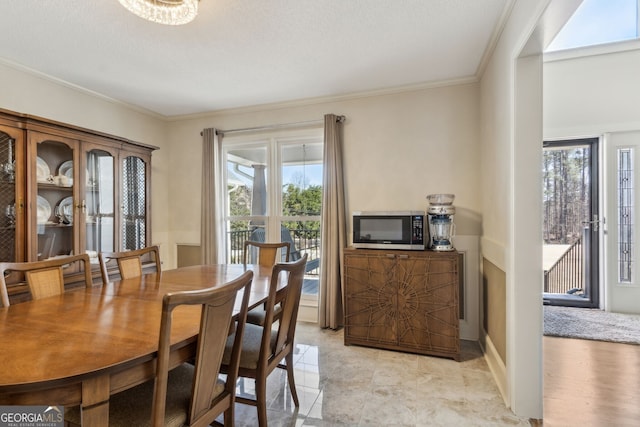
[(11, 194), (135, 178), (54, 206), (571, 223), (99, 202), (301, 168)]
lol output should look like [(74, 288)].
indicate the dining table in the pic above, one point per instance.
[(83, 346)]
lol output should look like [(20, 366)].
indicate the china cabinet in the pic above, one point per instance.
[(66, 190), (402, 300)]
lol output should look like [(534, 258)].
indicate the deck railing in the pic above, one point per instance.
[(566, 275), (305, 241)]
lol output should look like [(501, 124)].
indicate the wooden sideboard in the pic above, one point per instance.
[(402, 300)]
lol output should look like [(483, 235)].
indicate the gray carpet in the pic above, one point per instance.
[(591, 324)]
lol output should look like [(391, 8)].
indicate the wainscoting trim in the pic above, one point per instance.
[(496, 366)]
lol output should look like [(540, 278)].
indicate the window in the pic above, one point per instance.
[(597, 22), (625, 215), (274, 193)]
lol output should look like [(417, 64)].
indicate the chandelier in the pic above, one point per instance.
[(168, 12)]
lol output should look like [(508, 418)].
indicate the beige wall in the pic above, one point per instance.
[(29, 93), (404, 145), (397, 148)]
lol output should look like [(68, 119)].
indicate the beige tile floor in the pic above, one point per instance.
[(342, 385)]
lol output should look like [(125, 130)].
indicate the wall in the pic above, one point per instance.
[(591, 93), (510, 105), (29, 93), (397, 149)]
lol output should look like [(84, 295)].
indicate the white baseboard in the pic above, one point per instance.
[(496, 366), (308, 313)]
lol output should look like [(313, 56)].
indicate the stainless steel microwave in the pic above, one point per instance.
[(388, 230)]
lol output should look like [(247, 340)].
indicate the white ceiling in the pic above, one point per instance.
[(239, 53)]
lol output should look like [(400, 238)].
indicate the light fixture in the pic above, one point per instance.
[(168, 12)]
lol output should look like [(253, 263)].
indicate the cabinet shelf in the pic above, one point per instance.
[(55, 225), (50, 186)]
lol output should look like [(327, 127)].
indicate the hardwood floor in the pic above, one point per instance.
[(590, 383)]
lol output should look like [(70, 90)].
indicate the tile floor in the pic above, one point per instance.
[(342, 385)]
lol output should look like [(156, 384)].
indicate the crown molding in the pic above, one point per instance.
[(77, 88), (328, 99)]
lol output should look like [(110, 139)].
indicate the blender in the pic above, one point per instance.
[(440, 219)]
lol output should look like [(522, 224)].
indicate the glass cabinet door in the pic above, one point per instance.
[(134, 203), (53, 207), (99, 203), (11, 198)]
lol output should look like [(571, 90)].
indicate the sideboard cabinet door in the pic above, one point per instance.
[(402, 300)]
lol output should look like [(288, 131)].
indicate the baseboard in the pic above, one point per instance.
[(496, 366), (308, 313)]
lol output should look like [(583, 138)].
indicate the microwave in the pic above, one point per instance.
[(388, 230)]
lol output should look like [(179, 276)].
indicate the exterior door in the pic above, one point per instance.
[(274, 194), (571, 222), (622, 236)]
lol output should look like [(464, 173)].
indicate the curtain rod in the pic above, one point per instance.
[(278, 126)]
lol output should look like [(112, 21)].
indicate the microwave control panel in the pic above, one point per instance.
[(418, 229)]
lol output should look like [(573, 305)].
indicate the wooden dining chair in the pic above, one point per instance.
[(192, 393), (266, 252), (43, 278), (129, 262), (265, 347), (266, 257)]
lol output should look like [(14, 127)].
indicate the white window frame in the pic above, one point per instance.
[(273, 141)]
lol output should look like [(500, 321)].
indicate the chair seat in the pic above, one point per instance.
[(251, 341), (257, 315), (134, 405)]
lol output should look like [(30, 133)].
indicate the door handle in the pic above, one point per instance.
[(594, 223)]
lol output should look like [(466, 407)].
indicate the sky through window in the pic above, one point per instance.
[(598, 22)]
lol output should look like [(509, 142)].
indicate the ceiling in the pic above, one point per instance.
[(239, 53)]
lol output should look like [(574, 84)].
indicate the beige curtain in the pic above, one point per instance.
[(211, 216), (333, 227)]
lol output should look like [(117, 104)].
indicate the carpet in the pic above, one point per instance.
[(591, 324)]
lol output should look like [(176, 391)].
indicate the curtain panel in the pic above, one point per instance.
[(334, 230), (211, 231)]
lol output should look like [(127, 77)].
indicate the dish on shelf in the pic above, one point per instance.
[(64, 210), (42, 170), (44, 210), (66, 169)]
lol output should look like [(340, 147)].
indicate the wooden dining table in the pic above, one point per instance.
[(81, 347)]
